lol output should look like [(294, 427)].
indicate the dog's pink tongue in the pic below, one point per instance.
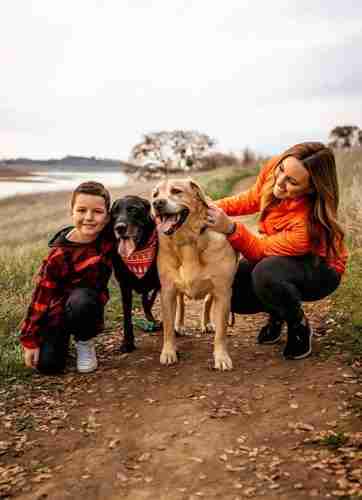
[(166, 225), (126, 247)]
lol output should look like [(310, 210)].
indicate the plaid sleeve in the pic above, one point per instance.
[(47, 283)]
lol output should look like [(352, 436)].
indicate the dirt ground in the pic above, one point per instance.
[(137, 430)]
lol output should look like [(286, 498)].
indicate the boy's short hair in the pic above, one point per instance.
[(93, 188)]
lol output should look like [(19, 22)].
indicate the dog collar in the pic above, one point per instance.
[(141, 260)]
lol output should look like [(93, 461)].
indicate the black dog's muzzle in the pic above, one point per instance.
[(120, 229)]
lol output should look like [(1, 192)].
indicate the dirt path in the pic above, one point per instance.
[(135, 430)]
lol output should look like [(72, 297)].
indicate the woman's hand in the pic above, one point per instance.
[(218, 221), (31, 357)]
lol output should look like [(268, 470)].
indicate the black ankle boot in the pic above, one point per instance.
[(299, 343), (271, 332)]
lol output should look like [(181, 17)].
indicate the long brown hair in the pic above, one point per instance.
[(320, 163)]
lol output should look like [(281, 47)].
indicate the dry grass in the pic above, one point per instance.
[(30, 219), (349, 165), (347, 310), (219, 185)]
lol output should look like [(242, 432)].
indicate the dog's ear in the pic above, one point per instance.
[(113, 207), (199, 192)]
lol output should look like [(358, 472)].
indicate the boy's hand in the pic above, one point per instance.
[(31, 357)]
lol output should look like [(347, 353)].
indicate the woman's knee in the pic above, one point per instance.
[(275, 283), (266, 274)]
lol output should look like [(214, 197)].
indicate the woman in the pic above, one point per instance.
[(300, 255)]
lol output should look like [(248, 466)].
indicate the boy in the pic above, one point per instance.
[(71, 289)]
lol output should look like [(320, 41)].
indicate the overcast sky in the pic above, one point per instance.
[(89, 77)]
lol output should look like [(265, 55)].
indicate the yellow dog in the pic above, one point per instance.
[(192, 260)]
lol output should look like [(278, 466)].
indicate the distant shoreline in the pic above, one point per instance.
[(31, 180), (12, 173)]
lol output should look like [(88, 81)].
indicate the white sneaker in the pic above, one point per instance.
[(86, 356)]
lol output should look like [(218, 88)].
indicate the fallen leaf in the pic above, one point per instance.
[(113, 443), (144, 457)]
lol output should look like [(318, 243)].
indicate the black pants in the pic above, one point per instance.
[(278, 285), (82, 315)]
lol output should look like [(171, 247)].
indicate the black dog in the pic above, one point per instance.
[(135, 260)]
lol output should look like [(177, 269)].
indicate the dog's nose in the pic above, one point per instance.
[(159, 204), (120, 228)]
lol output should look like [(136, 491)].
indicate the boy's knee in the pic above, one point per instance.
[(83, 311), (82, 302), (81, 298)]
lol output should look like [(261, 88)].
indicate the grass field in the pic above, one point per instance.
[(27, 223)]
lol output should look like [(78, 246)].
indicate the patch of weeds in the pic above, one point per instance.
[(25, 423), (11, 360), (329, 347), (184, 355), (114, 312), (334, 441), (37, 467), (347, 312), (348, 497), (17, 268), (222, 186)]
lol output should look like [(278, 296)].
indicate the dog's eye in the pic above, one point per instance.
[(155, 193), (176, 191), (131, 210)]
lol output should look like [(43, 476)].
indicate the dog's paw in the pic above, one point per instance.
[(208, 328), (222, 361), (168, 356), (127, 348)]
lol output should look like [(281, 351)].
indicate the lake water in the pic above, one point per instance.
[(46, 181)]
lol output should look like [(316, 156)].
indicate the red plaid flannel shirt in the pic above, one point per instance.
[(67, 266)]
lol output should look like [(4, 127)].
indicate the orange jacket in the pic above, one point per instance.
[(284, 227)]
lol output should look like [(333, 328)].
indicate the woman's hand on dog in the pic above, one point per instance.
[(218, 221), (31, 357)]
